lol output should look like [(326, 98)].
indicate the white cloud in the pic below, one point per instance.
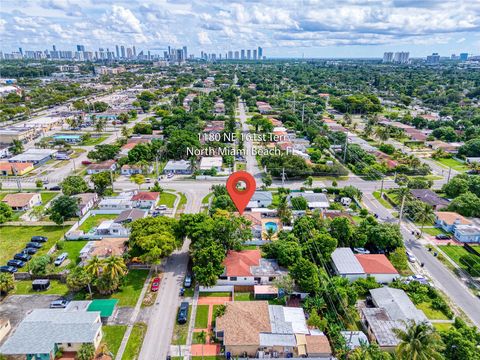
[(203, 38), (122, 20)]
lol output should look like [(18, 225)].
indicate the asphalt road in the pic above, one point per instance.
[(441, 276), (252, 165)]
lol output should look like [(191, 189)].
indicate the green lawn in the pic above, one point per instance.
[(454, 164), (73, 249), (135, 342), (93, 141), (215, 294), (113, 335), (206, 199), (433, 231), (243, 296), (455, 253), (431, 313), (208, 357), (167, 199), (95, 220), (201, 318), (180, 332), (47, 196), (196, 338), (24, 287), (14, 238), (442, 326), (131, 288), (385, 203)]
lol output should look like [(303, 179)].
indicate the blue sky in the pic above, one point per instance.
[(284, 28)]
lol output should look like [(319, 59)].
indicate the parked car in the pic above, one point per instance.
[(8, 269), (411, 257), (58, 304), (155, 284), (22, 257), (60, 259), (39, 239), (161, 207), (55, 188), (30, 251), (182, 313), (169, 175), (86, 162), (16, 263), (361, 251), (33, 244), (443, 237), (188, 281)]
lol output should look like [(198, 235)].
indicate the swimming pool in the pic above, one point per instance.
[(271, 225)]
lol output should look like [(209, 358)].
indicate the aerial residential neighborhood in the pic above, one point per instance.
[(244, 180)]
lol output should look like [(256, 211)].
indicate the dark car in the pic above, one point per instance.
[(183, 313), (55, 188), (443, 237), (33, 244), (22, 257), (16, 263), (8, 269), (39, 239), (30, 251)]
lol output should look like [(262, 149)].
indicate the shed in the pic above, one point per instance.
[(265, 292), (40, 284)]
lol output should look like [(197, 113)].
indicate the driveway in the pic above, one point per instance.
[(16, 307)]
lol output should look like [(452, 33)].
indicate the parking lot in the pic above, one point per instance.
[(16, 307)]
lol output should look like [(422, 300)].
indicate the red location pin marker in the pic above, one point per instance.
[(241, 197)]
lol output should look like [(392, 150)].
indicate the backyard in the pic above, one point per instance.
[(94, 220), (14, 238), (24, 287)]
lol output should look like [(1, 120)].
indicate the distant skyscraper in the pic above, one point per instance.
[(242, 56), (20, 50), (260, 53), (134, 50), (249, 54), (129, 53), (81, 48), (254, 54), (185, 53), (54, 48), (230, 55), (122, 51), (401, 57), (387, 57), (237, 55), (433, 59), (117, 51), (463, 56)]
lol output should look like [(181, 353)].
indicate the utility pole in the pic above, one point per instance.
[(345, 150), (283, 176), (111, 178), (449, 173), (156, 166), (401, 210), (381, 188)]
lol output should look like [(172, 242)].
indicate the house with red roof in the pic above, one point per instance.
[(247, 267), (355, 266), (146, 199)]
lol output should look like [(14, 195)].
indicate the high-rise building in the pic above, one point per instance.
[(129, 53), (134, 50), (81, 48), (433, 59), (185, 53), (242, 56), (179, 55), (122, 51), (237, 55), (260, 53), (401, 57), (254, 54), (54, 48), (463, 56), (117, 51), (249, 54), (230, 55), (387, 57)]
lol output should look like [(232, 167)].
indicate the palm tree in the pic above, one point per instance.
[(383, 133), (17, 147), (202, 339), (94, 266), (368, 130), (114, 266), (418, 342), (270, 233), (423, 215), (6, 283), (402, 193)]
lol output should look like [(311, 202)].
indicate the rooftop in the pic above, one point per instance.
[(376, 264), (18, 199), (346, 262), (318, 344), (130, 215), (450, 217), (429, 197), (146, 195), (382, 326), (397, 304)]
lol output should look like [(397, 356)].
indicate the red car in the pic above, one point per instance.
[(86, 162), (155, 284)]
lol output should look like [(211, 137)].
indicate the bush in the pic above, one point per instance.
[(38, 265)]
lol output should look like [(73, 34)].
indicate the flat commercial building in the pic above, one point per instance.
[(35, 156), (20, 133)]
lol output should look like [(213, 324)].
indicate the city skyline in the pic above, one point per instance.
[(283, 29)]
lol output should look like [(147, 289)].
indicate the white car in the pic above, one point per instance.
[(411, 257), (361, 251)]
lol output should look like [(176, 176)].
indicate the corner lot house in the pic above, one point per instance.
[(354, 266), (44, 331), (146, 199), (22, 201), (247, 267), (429, 197)]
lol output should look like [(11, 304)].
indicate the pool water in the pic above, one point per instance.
[(271, 225)]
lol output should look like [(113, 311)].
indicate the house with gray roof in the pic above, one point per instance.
[(429, 197), (314, 200), (44, 331), (260, 199), (178, 167), (346, 265)]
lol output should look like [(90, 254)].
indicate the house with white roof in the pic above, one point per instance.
[(215, 162), (314, 200)]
